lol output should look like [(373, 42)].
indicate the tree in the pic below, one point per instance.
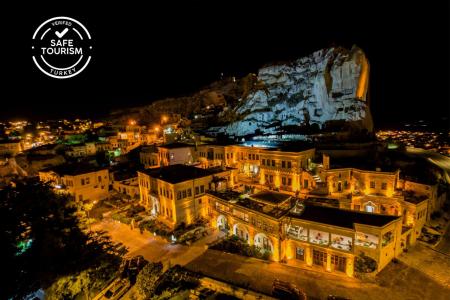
[(43, 240), (147, 278)]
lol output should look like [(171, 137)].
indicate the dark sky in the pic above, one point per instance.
[(151, 52)]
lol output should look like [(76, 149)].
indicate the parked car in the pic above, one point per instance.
[(286, 290), (193, 235)]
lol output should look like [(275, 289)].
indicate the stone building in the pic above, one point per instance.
[(83, 182)]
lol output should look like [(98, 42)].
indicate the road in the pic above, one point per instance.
[(444, 244), (435, 158), (153, 248)]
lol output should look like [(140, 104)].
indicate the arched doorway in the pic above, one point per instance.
[(155, 206), (370, 207), (222, 223), (241, 231), (263, 242)]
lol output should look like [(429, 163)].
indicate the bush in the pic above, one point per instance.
[(134, 210), (365, 264), (154, 226), (236, 245), (176, 279), (121, 218), (147, 279)]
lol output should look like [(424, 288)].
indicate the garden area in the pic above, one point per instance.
[(129, 213), (181, 233), (236, 245), (153, 283)]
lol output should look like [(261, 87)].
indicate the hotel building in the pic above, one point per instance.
[(83, 182)]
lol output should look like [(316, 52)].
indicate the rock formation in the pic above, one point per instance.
[(327, 89), (329, 85)]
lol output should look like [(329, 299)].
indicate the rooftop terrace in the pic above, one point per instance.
[(272, 204), (180, 173), (341, 217)]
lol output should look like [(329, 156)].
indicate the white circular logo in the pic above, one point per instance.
[(62, 47)]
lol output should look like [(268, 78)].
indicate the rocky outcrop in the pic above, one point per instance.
[(329, 85), (325, 89)]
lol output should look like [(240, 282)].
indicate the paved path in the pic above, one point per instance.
[(153, 248), (444, 244)]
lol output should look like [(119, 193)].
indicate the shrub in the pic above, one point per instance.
[(147, 278), (365, 264), (176, 279), (236, 245)]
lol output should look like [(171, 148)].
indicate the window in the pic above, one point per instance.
[(249, 156), (319, 258), (257, 157), (289, 181), (178, 195), (283, 180), (263, 162), (273, 163), (202, 189), (300, 254), (357, 207), (80, 197), (184, 194), (372, 184), (384, 186), (99, 178), (289, 164), (189, 192), (82, 181), (199, 200), (283, 164), (271, 178), (197, 190)]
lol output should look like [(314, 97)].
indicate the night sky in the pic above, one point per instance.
[(146, 53)]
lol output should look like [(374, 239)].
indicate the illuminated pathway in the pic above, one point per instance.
[(153, 248)]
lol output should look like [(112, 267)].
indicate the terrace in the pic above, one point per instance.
[(272, 204)]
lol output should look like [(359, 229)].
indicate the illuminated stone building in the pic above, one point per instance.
[(150, 157), (281, 169), (381, 192), (84, 182), (176, 153), (12, 148), (315, 236), (176, 193)]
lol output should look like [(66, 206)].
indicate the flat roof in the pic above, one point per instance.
[(236, 198), (74, 169), (341, 217), (270, 197), (362, 163), (176, 145), (179, 173)]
